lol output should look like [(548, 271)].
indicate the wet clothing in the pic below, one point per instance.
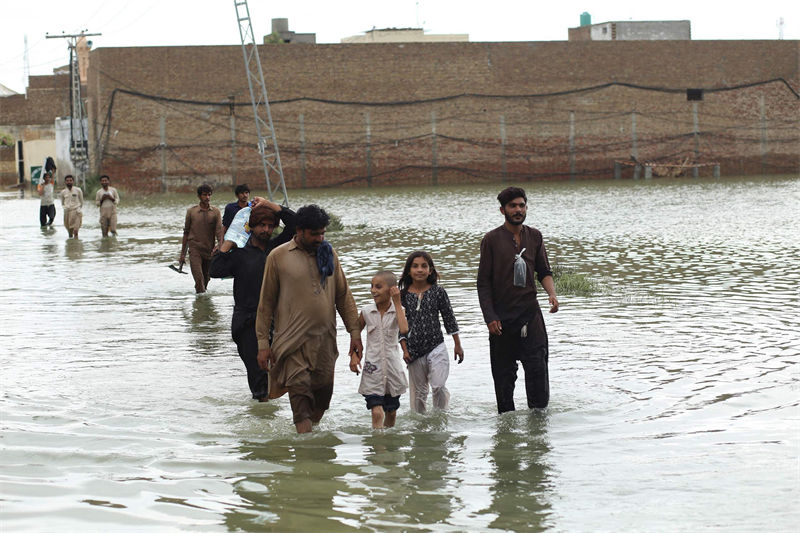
[(430, 371), (430, 365), (200, 267), (382, 368), (246, 267), (47, 207), (108, 208), (504, 351), (515, 308), (72, 202), (304, 311), (202, 227), (389, 403), (47, 213)]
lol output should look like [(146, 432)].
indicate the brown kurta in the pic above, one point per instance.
[(498, 297), (304, 311), (202, 226)]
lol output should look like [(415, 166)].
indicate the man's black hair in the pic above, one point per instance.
[(204, 188), (105, 176), (509, 193), (312, 217), (240, 189)]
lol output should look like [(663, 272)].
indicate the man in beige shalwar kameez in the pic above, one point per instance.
[(303, 287)]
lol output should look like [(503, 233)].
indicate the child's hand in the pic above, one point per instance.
[(355, 363), (394, 294), (458, 352), (406, 356)]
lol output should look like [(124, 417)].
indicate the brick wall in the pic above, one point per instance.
[(750, 130), (8, 165)]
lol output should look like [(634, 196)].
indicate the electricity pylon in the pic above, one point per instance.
[(270, 160), (79, 143)]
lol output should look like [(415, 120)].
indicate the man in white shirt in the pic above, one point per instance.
[(107, 199), (72, 202)]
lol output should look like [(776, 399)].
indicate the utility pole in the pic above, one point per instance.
[(79, 143), (27, 62), (271, 161)]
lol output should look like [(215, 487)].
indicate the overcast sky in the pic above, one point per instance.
[(213, 22)]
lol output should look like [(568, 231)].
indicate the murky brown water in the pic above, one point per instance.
[(674, 390)]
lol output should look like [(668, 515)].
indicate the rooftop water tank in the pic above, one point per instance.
[(586, 19)]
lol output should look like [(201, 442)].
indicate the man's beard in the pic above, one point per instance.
[(515, 222), (263, 237)]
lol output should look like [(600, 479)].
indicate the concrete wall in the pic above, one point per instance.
[(409, 35), (35, 153), (638, 31), (8, 165), (654, 30)]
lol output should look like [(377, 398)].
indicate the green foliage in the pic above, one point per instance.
[(6, 139), (273, 38), (568, 281), (91, 185), (336, 223)]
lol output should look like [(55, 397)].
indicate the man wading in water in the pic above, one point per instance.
[(203, 224), (303, 287), (246, 267), (510, 254)]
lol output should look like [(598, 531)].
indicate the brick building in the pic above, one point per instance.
[(356, 114)]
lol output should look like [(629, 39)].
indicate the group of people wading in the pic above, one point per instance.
[(71, 197), (288, 289)]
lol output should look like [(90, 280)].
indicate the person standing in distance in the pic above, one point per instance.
[(303, 288), (510, 254), (72, 203), (107, 199), (202, 226), (242, 199)]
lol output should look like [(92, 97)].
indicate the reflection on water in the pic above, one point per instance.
[(74, 249), (520, 474), (673, 389)]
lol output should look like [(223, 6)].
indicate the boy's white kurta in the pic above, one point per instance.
[(382, 370)]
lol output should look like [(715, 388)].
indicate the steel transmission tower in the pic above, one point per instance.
[(79, 143), (271, 161)]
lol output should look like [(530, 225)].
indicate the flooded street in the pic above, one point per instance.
[(674, 388)]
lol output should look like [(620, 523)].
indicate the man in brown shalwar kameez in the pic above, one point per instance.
[(202, 227), (303, 287), (507, 296)]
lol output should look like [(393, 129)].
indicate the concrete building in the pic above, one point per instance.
[(405, 35), (281, 32), (665, 30)]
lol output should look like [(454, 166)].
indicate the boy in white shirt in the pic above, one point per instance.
[(383, 379)]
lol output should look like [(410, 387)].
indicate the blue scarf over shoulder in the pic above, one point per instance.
[(325, 261)]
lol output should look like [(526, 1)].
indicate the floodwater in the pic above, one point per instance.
[(674, 388)]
